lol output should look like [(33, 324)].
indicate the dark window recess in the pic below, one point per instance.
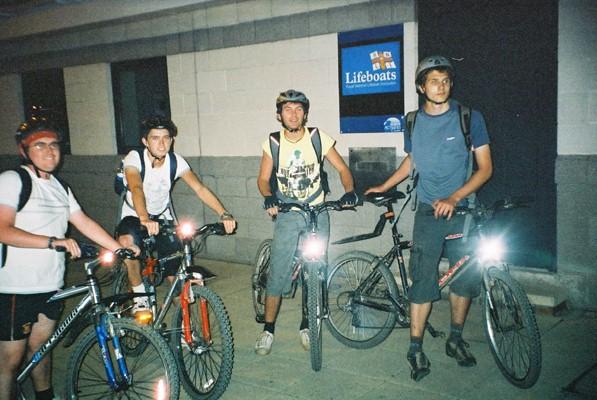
[(44, 96), (140, 89)]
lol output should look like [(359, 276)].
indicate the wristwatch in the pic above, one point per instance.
[(51, 240), (226, 215)]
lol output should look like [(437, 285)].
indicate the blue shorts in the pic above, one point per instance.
[(428, 246), (288, 227)]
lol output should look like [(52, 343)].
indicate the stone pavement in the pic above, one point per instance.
[(569, 348)]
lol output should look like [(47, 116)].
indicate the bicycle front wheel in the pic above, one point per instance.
[(259, 279), (153, 372), (315, 309), (206, 362), (361, 315), (511, 329)]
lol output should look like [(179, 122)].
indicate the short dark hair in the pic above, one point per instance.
[(158, 122)]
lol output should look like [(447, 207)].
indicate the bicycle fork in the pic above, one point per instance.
[(186, 299), (105, 330)]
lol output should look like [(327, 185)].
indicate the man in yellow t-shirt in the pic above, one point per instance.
[(299, 179)]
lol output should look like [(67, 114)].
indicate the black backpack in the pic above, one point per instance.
[(24, 198), (465, 123), (274, 145)]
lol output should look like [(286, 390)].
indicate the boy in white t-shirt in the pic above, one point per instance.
[(148, 197), (32, 271)]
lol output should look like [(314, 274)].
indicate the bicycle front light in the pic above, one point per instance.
[(107, 258), (491, 249), (186, 230), (313, 248)]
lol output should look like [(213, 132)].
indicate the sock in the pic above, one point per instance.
[(270, 327), (416, 344), (139, 288), (47, 394), (304, 323), (455, 332)]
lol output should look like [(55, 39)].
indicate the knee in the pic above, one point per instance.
[(126, 240)]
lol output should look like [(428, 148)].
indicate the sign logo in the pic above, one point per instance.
[(382, 60)]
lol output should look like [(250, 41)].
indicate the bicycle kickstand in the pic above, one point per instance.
[(433, 332)]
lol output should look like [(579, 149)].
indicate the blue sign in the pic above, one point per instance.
[(370, 69)]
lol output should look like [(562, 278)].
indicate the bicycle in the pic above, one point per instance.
[(367, 301), (309, 268), (98, 367), (201, 334)]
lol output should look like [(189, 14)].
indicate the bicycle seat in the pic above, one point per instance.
[(381, 199)]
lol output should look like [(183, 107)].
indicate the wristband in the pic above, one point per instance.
[(51, 242), (270, 201), (226, 216)]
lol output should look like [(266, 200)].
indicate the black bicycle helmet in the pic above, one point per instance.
[(35, 125), (158, 122), (293, 96), (432, 62)]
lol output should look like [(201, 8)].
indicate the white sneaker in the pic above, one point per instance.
[(263, 346), (304, 335), (140, 304)]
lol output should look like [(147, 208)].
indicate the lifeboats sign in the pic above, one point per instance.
[(371, 80)]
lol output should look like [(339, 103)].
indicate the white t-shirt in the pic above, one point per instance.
[(47, 212), (156, 184)]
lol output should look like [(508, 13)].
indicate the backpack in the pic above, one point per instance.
[(24, 196), (120, 188), (274, 145)]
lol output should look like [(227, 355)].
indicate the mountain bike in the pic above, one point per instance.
[(309, 268), (366, 302), (98, 366), (200, 335)]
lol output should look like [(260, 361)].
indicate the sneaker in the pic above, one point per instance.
[(304, 335), (263, 346), (140, 304), (458, 349), (419, 365)]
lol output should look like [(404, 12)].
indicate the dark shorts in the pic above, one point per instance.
[(165, 244), (18, 313), (428, 246)]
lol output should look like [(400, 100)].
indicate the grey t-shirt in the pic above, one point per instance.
[(439, 152)]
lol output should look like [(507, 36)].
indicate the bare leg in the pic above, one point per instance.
[(272, 306), (459, 306), (133, 267), (42, 373), (418, 318), (11, 354)]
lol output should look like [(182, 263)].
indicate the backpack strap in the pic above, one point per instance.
[(411, 118), (465, 123), (25, 187)]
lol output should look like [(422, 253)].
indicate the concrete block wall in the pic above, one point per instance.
[(11, 104), (576, 165), (90, 108)]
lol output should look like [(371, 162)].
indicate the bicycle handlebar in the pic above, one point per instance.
[(335, 205), (481, 211)]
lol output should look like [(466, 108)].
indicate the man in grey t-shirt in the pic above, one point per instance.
[(437, 148)]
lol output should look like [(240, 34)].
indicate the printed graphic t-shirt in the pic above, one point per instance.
[(299, 171)]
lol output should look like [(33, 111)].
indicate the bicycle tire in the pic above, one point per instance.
[(206, 369), (155, 364), (315, 308), (356, 325), (259, 279), (511, 329)]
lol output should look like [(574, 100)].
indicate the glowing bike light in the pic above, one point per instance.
[(186, 229), (313, 248), (144, 317), (491, 249), (107, 258)]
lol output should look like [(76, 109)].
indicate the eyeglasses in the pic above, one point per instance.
[(42, 146)]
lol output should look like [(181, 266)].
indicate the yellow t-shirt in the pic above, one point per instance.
[(298, 170)]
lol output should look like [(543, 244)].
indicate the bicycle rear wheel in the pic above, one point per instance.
[(361, 319), (153, 371), (511, 329), (206, 363), (259, 279), (315, 309)]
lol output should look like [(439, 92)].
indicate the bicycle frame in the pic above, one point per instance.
[(101, 325)]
